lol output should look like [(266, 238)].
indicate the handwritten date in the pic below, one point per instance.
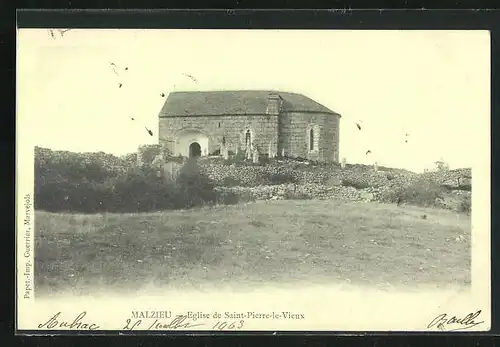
[(228, 325), (179, 322)]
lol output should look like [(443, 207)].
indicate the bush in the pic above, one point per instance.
[(235, 159), (74, 182), (296, 196), (466, 187), (194, 187), (264, 160), (177, 159), (149, 152), (281, 178), (129, 160), (422, 192), (391, 194), (142, 190), (227, 198), (346, 182), (231, 182), (465, 205)]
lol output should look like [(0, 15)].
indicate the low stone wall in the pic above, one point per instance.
[(322, 192), (451, 178), (360, 183), (357, 176), (255, 175), (291, 191)]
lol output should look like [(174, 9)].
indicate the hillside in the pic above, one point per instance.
[(99, 182), (250, 244)]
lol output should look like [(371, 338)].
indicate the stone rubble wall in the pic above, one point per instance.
[(451, 178), (358, 176), (292, 191), (358, 183), (322, 192), (287, 179)]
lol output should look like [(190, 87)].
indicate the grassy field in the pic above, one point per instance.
[(281, 242)]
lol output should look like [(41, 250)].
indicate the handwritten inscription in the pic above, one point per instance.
[(77, 323), (454, 323), (220, 325), (162, 320), (179, 322)]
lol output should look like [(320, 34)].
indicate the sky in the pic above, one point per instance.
[(433, 85)]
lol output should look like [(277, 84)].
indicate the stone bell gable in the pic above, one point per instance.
[(197, 123)]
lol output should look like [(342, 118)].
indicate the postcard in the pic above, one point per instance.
[(253, 180)]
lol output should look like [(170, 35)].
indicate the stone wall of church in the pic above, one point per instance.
[(288, 131), (294, 135), (264, 130)]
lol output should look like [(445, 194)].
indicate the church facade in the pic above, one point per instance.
[(200, 123)]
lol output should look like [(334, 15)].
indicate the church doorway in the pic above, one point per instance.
[(194, 150), (191, 143)]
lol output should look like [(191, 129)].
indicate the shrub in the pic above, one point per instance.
[(227, 198), (391, 194), (195, 188), (347, 182), (142, 190), (300, 159), (231, 182), (149, 152), (128, 160), (177, 159), (332, 181), (264, 160), (236, 159), (465, 205), (85, 183), (296, 196), (281, 178), (422, 192), (466, 187)]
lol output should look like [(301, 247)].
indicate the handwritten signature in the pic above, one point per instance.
[(179, 322), (55, 322), (444, 322)]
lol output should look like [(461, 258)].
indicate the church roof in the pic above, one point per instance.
[(237, 102)]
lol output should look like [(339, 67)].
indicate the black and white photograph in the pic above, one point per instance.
[(253, 180)]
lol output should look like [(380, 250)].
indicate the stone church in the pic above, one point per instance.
[(201, 123)]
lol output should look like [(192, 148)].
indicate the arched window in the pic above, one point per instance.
[(311, 139), (248, 138)]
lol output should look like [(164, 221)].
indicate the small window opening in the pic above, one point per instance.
[(311, 139)]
